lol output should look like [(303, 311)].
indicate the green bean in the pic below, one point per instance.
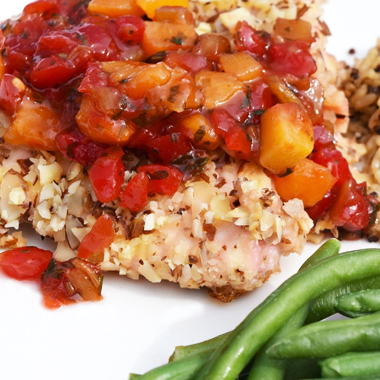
[(351, 364), (358, 304), (328, 249), (184, 369), (238, 348), (272, 369), (267, 368), (133, 376), (351, 378), (324, 305), (302, 369), (182, 352), (329, 338)]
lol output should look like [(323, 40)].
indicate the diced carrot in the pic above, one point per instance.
[(211, 46), (308, 181), (175, 14), (115, 8), (241, 64), (150, 6), (100, 127), (217, 87), (150, 77), (199, 129), (295, 30), (286, 137), (163, 36), (121, 71), (34, 125)]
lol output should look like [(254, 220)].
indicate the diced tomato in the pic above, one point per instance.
[(163, 179), (71, 281), (74, 9), (223, 121), (261, 96), (19, 50), (95, 77), (323, 138), (100, 237), (235, 137), (351, 208), (56, 42), (135, 196), (98, 40), (44, 8), (51, 71), (320, 208), (25, 263), (238, 141), (130, 29), (247, 39), (335, 162), (107, 175), (79, 148), (191, 62), (11, 92), (291, 57), (167, 148)]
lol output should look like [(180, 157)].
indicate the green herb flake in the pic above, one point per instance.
[(199, 134), (259, 112), (173, 93)]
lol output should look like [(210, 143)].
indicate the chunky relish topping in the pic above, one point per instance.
[(98, 80), (60, 283)]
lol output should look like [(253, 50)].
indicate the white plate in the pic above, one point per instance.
[(137, 325)]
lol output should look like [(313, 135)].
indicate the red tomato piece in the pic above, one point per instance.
[(41, 7), (223, 121), (56, 42), (324, 205), (238, 141), (163, 179), (335, 162), (54, 290), (135, 195), (52, 71), (78, 147), (323, 138), (247, 39), (351, 208), (169, 147), (95, 77), (107, 175), (191, 62), (98, 40), (130, 29), (25, 263), (101, 236), (10, 95), (234, 136), (291, 57), (261, 97)]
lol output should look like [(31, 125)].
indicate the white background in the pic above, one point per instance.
[(137, 325)]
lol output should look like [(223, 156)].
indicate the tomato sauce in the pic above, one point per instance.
[(110, 85), (60, 283)]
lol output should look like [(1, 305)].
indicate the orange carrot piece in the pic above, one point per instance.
[(308, 181)]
